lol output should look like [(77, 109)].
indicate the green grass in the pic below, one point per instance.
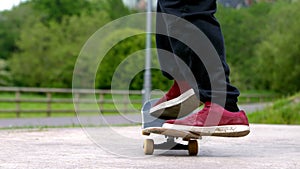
[(283, 111), (251, 96)]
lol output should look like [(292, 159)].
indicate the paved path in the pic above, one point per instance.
[(90, 120), (267, 147), (70, 121)]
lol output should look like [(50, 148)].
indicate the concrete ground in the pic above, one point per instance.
[(267, 146)]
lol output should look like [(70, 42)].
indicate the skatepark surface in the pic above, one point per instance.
[(267, 146)]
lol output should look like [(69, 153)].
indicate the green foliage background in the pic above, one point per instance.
[(41, 40)]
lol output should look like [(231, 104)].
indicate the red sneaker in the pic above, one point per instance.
[(174, 92), (179, 101), (213, 120)]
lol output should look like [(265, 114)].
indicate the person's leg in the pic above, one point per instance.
[(201, 14), (227, 120), (164, 49), (167, 61), (169, 106)]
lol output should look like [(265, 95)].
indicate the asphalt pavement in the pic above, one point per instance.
[(266, 147)]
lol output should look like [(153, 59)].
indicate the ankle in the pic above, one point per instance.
[(232, 107)]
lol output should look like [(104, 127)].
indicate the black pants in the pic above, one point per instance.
[(199, 13)]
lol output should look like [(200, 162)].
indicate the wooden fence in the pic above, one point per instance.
[(78, 99), (15, 100)]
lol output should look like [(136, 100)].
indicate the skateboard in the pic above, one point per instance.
[(170, 143), (191, 137), (154, 125)]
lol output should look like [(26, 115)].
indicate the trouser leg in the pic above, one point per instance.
[(165, 52), (201, 14)]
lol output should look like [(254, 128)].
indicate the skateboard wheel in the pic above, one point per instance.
[(193, 147), (148, 146), (145, 133)]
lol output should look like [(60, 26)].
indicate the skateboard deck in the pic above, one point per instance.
[(192, 134), (185, 135)]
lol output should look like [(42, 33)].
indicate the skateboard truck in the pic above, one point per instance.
[(170, 144)]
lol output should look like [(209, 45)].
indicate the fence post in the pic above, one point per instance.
[(77, 107), (48, 104), (18, 106), (101, 101), (261, 99), (248, 100), (126, 102)]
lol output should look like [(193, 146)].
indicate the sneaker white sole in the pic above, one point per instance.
[(177, 107), (222, 131)]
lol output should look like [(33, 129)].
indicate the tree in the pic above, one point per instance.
[(278, 66), (56, 9), (115, 8), (49, 42), (48, 53), (11, 23), (242, 31), (5, 77), (126, 62)]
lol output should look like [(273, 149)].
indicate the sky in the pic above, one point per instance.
[(8, 4)]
